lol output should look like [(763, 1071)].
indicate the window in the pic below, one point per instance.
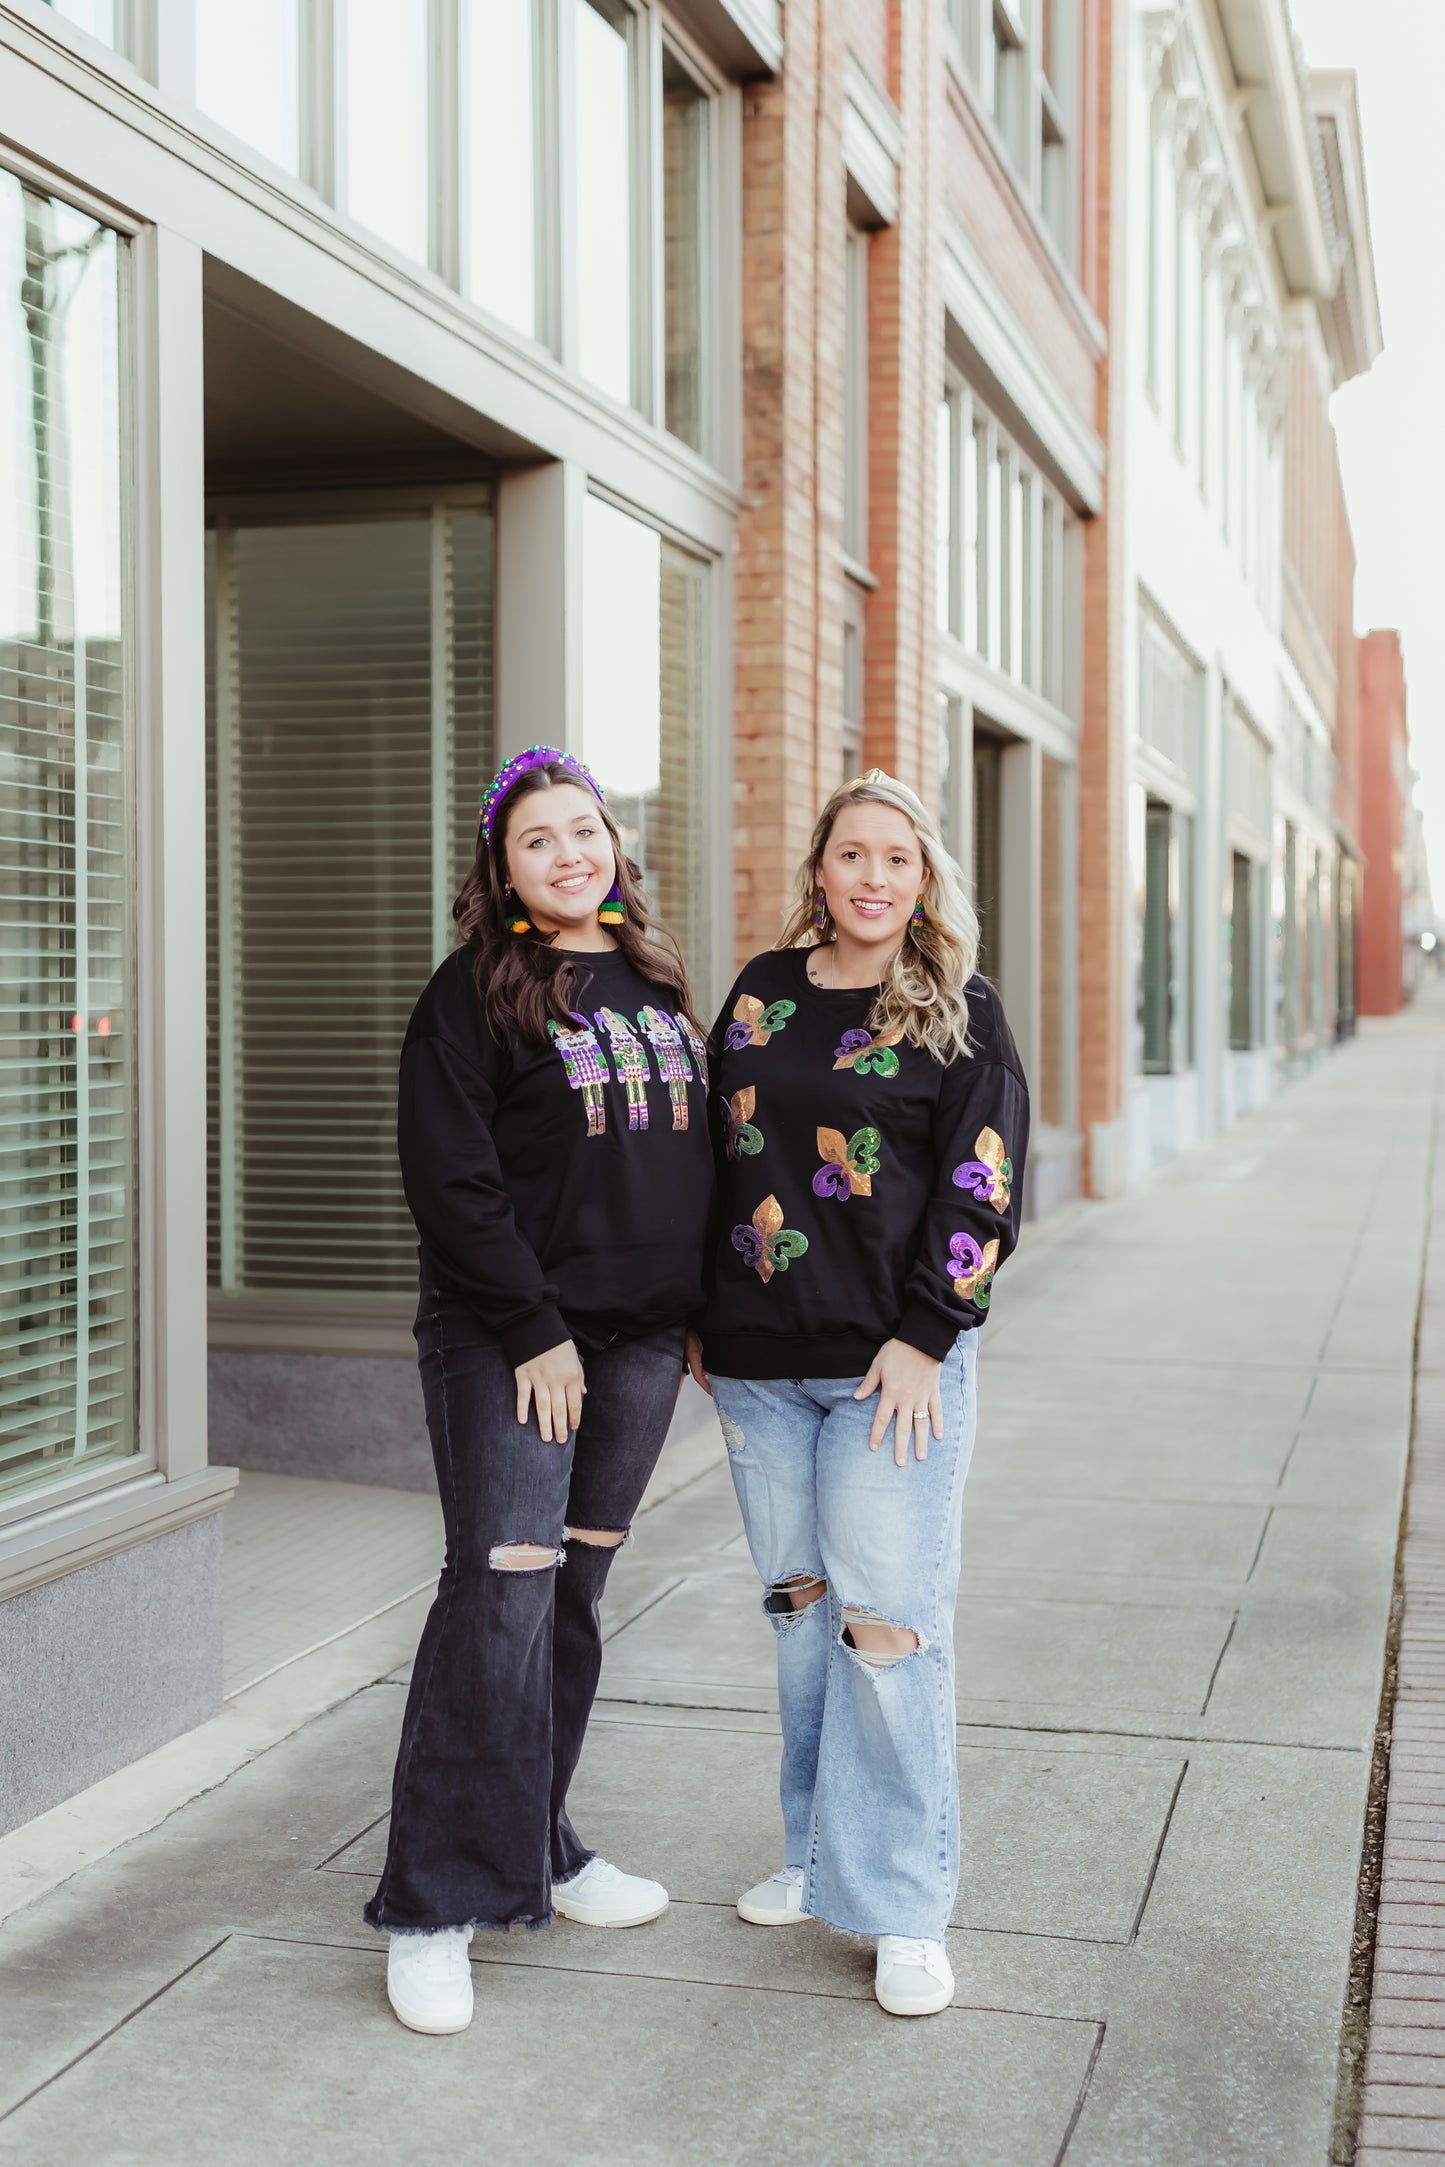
[(1055, 861), (1171, 694), (945, 516), (350, 736), (1241, 953), (67, 1038), (106, 20), (988, 750), (685, 256), (855, 400), (552, 160), (384, 132), (602, 208), (1287, 940), (248, 73), (1022, 56), (1057, 24), (853, 634), (499, 156), (645, 661), (1165, 1001), (1000, 544)]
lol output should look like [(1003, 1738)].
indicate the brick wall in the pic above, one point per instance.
[(1383, 764), (788, 633)]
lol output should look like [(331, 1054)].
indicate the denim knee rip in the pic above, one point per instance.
[(525, 1557), (733, 1436), (778, 1606), (876, 1662), (598, 1538)]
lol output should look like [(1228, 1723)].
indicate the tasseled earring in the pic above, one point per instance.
[(820, 911), (611, 911), (918, 918), (513, 916)]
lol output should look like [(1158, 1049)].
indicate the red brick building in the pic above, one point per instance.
[(925, 263), (1385, 782)]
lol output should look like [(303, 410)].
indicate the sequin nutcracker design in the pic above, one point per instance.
[(629, 1057), (673, 1065), (586, 1067)]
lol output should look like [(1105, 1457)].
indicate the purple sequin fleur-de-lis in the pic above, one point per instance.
[(852, 1042), (965, 1257), (975, 1179), (832, 1181), (749, 1245)]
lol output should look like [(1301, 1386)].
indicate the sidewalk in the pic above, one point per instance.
[(1180, 1542)]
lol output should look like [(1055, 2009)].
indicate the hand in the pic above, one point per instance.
[(555, 1381), (906, 1381), (694, 1363)]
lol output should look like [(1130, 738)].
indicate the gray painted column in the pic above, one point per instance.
[(539, 607)]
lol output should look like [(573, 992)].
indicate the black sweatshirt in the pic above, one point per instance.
[(562, 1190), (869, 1192)]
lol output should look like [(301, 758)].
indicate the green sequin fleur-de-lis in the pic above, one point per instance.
[(848, 1168), (767, 1246), (744, 1141)]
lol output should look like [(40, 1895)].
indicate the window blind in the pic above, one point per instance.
[(349, 716), (67, 1137)]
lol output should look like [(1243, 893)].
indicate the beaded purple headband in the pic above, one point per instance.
[(520, 764)]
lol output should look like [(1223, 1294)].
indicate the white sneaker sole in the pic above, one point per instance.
[(415, 2022), (914, 2005), (593, 1915), (757, 1916)]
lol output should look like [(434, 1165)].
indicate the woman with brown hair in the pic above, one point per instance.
[(561, 1187)]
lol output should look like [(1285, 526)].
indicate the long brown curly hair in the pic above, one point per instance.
[(521, 978)]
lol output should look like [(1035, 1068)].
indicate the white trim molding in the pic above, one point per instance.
[(872, 141), (976, 302)]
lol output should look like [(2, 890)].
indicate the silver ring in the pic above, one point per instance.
[(921, 1418)]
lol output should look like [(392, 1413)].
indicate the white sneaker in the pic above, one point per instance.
[(777, 1901), (429, 1979), (602, 1895), (914, 1978)]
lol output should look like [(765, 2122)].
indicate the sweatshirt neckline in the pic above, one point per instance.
[(866, 994)]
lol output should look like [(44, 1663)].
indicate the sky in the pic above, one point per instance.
[(1391, 422)]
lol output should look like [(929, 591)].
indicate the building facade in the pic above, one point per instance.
[(737, 398), (1246, 295), (372, 407)]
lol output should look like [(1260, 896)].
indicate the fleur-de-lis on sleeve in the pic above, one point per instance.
[(989, 1176), (863, 1052), (767, 1246), (848, 1168), (753, 1024), (744, 1141), (971, 1266)]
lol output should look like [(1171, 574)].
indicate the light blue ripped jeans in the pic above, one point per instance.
[(870, 1758)]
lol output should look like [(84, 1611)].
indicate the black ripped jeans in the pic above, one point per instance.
[(509, 1660)]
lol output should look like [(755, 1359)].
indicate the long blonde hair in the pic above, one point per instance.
[(922, 995)]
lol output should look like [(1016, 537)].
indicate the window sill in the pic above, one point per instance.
[(60, 1541)]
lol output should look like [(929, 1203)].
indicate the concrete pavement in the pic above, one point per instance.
[(1180, 1542)]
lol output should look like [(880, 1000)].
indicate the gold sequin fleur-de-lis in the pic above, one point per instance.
[(767, 1246)]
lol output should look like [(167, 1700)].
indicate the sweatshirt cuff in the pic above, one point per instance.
[(533, 1334), (922, 1327)]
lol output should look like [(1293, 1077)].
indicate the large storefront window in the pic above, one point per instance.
[(645, 710), (350, 724), (604, 194), (498, 147), (685, 257), (67, 1039)]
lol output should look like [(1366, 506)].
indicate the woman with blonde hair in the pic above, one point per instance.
[(875, 1118)]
